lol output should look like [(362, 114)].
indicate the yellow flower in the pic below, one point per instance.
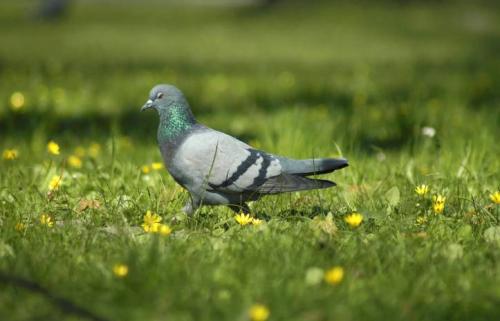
[(157, 166), (421, 190), (256, 221), (94, 150), (438, 203), (75, 161), (55, 182), (421, 220), (334, 275), (17, 100), (120, 270), (53, 148), (151, 222), (46, 220), (80, 151), (495, 197), (438, 208), (20, 227), (145, 169), (164, 230), (439, 199), (354, 219), (259, 312), (10, 154), (243, 219)]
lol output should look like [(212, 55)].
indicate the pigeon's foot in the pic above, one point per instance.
[(188, 208)]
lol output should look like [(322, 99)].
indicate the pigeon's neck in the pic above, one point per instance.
[(176, 121)]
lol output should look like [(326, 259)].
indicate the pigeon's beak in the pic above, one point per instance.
[(147, 105)]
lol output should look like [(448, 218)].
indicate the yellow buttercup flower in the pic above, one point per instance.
[(157, 166), (421, 220), (10, 154), (164, 230), (438, 208), (495, 197), (151, 222), (145, 169), (17, 101), (354, 219), (259, 312), (75, 161), (243, 219), (55, 182), (256, 221), (421, 190), (46, 220), (438, 202), (120, 270), (334, 275), (94, 150), (20, 227), (439, 199), (53, 148)]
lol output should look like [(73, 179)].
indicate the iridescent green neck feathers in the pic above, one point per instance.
[(175, 120)]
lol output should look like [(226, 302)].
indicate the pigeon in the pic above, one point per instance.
[(218, 169)]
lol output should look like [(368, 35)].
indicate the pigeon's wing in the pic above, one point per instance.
[(224, 163)]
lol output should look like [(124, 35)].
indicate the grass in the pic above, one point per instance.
[(323, 80)]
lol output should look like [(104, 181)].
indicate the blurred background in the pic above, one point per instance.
[(374, 73)]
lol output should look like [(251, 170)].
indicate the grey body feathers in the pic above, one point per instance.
[(219, 169)]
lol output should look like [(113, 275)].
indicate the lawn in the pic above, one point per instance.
[(409, 92)]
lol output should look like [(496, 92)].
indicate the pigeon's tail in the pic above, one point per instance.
[(306, 167), (290, 183)]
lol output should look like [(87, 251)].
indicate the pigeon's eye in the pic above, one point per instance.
[(159, 95)]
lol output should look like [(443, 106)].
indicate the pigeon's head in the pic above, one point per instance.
[(161, 97)]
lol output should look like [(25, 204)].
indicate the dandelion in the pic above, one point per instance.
[(354, 219), (145, 169), (17, 101), (438, 203), (259, 312), (10, 154), (164, 230), (151, 222), (156, 166), (421, 190), (53, 148), (55, 182), (495, 197), (334, 275), (46, 220), (94, 150), (243, 219), (20, 227), (120, 270), (75, 161), (256, 221)]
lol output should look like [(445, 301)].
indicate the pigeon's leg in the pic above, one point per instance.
[(188, 208), (191, 205), (243, 207)]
